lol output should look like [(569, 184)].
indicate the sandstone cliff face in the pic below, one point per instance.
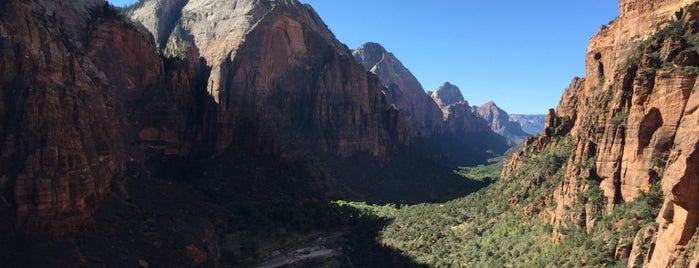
[(421, 114), (300, 89), (499, 122), (457, 114), (83, 92), (57, 122), (631, 118), (447, 94)]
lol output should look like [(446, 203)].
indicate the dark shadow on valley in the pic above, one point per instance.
[(239, 209)]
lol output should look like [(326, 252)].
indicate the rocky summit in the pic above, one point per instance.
[(275, 96), (499, 121), (447, 94), (403, 90)]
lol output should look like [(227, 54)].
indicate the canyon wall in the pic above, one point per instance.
[(419, 112), (87, 90), (632, 120), (280, 79), (83, 93)]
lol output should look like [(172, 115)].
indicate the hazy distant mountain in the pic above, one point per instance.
[(532, 124)]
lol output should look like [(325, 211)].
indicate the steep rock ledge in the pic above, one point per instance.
[(84, 92), (300, 89), (631, 118)]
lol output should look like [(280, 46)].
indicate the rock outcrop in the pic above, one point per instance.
[(280, 79), (456, 112), (447, 94), (499, 122), (83, 92), (92, 104), (420, 113), (633, 124)]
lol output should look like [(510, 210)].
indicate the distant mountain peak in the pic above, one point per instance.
[(372, 46), (448, 94), (401, 87), (499, 121), (370, 54)]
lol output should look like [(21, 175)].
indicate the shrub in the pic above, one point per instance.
[(620, 117)]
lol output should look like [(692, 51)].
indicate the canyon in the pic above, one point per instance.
[(97, 113), (159, 133)]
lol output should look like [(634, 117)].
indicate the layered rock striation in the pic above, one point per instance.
[(280, 79), (632, 123), (456, 112), (86, 92), (83, 92), (420, 113)]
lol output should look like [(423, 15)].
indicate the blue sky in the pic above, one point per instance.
[(520, 54)]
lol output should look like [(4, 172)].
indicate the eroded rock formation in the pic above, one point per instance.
[(633, 124), (420, 113), (499, 122), (279, 77), (456, 111), (83, 92)]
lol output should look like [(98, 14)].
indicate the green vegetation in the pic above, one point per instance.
[(106, 11), (620, 117), (674, 28), (481, 172), (650, 49), (256, 230), (690, 70), (386, 211), (504, 224), (659, 162), (484, 228)]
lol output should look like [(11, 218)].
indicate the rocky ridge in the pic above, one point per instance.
[(631, 121), (421, 113), (88, 100), (259, 88), (499, 122), (456, 111), (447, 94)]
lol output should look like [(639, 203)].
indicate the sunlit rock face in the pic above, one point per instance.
[(500, 122), (84, 92), (419, 112), (633, 119), (280, 79), (457, 114)]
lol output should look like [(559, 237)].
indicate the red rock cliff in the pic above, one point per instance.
[(280, 78), (82, 93), (634, 124), (420, 114)]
